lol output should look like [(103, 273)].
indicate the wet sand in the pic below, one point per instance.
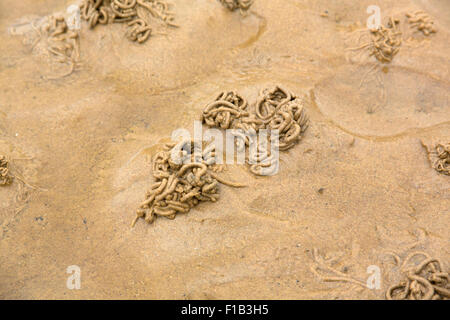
[(359, 184)]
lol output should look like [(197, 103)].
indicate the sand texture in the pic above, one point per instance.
[(359, 189)]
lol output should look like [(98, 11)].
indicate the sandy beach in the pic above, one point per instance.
[(357, 190)]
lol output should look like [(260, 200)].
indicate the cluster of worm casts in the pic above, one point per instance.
[(242, 5), (424, 281), (385, 41), (129, 11), (439, 156), (5, 176), (181, 183), (275, 109)]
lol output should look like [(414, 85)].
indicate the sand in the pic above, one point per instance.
[(358, 185)]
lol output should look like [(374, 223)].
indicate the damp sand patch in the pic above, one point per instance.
[(405, 102)]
